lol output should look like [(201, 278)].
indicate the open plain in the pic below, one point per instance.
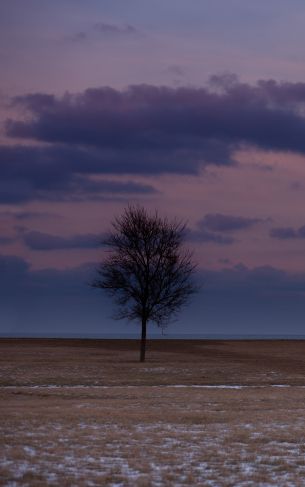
[(197, 412)]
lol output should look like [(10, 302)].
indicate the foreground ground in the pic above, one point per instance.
[(206, 413)]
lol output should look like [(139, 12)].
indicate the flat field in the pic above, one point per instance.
[(196, 413)]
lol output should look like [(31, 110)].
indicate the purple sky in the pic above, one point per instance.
[(192, 107)]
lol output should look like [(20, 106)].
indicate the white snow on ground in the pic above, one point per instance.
[(150, 454), (186, 454), (182, 386), (30, 451), (153, 369)]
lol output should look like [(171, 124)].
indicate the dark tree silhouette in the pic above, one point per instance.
[(147, 271)]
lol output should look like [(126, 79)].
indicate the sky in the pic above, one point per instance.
[(195, 108)]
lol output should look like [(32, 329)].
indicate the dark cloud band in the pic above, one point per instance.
[(288, 233), (218, 222), (163, 119), (143, 130), (44, 241)]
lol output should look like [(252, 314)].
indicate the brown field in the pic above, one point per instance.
[(87, 413)]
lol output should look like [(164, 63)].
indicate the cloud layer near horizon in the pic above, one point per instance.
[(236, 300)]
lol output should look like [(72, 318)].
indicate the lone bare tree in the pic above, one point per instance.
[(146, 270)]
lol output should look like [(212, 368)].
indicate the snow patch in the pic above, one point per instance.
[(29, 451), (163, 386)]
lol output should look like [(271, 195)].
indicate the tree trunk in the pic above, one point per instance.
[(143, 341)]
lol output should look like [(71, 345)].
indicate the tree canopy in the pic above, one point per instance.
[(146, 268)]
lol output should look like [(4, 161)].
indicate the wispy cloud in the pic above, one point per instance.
[(176, 70), (217, 228), (288, 233), (204, 236), (45, 241), (218, 222), (105, 31)]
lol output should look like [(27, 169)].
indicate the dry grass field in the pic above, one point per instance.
[(197, 413)]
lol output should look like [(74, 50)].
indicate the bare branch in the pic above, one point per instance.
[(146, 270)]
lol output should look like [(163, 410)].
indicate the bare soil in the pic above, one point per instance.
[(206, 413)]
